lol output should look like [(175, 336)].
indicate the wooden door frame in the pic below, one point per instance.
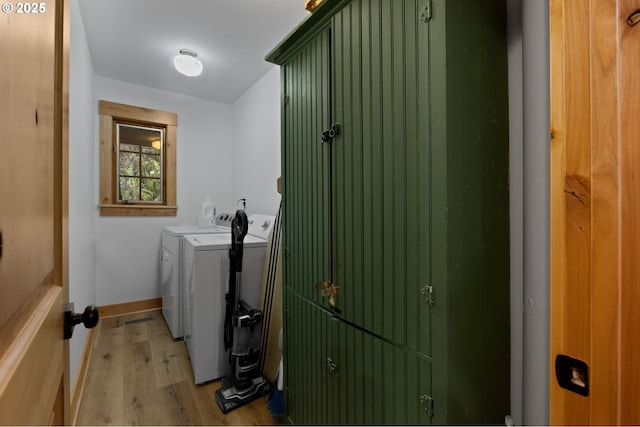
[(594, 228), (61, 186)]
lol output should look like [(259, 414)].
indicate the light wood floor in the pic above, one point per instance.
[(140, 375)]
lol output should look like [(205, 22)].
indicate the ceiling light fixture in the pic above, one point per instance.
[(188, 63)]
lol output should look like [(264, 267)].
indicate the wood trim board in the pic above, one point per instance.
[(81, 376), (114, 109)]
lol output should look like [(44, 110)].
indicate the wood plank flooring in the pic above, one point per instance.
[(140, 375)]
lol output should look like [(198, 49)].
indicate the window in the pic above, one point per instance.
[(137, 161)]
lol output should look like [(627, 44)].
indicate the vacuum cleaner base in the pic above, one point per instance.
[(229, 397)]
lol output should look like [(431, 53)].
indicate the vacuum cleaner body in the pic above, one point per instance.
[(242, 333), (245, 353)]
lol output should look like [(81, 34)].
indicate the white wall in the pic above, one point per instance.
[(529, 191), (82, 145), (127, 248), (256, 145), (535, 131)]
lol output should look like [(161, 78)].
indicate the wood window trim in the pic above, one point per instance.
[(110, 112)]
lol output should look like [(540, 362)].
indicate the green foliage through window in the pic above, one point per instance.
[(139, 163)]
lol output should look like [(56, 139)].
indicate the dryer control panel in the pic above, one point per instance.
[(261, 225)]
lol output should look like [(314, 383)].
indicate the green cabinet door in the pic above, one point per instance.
[(306, 341), (339, 374), (382, 169), (306, 168)]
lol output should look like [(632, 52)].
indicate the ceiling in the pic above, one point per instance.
[(136, 40)]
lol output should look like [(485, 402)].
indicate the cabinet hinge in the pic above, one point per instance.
[(427, 404), (331, 366), (332, 132), (427, 293), (425, 13)]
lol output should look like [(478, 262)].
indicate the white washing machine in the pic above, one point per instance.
[(171, 286), (206, 259)]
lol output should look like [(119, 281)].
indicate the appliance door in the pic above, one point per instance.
[(169, 283), (205, 313)]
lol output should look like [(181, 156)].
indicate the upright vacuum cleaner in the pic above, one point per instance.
[(242, 325)]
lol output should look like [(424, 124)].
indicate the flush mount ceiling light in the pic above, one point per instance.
[(188, 63)]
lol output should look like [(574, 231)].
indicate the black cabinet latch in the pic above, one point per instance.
[(332, 132)]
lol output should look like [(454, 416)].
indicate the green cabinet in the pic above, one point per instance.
[(402, 213), (340, 374)]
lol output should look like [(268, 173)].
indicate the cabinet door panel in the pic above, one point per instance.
[(306, 169), (407, 387), (381, 169), (340, 374), (306, 339), (358, 384)]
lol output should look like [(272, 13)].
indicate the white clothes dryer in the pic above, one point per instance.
[(171, 286), (206, 259)]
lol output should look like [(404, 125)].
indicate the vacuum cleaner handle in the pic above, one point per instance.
[(239, 229), (240, 225)]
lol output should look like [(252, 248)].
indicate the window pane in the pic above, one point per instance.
[(150, 166), (134, 135), (129, 189), (140, 163), (129, 164), (151, 190)]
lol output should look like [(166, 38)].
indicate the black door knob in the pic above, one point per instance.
[(89, 318)]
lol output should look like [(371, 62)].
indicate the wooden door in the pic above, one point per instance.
[(595, 271), (34, 383)]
